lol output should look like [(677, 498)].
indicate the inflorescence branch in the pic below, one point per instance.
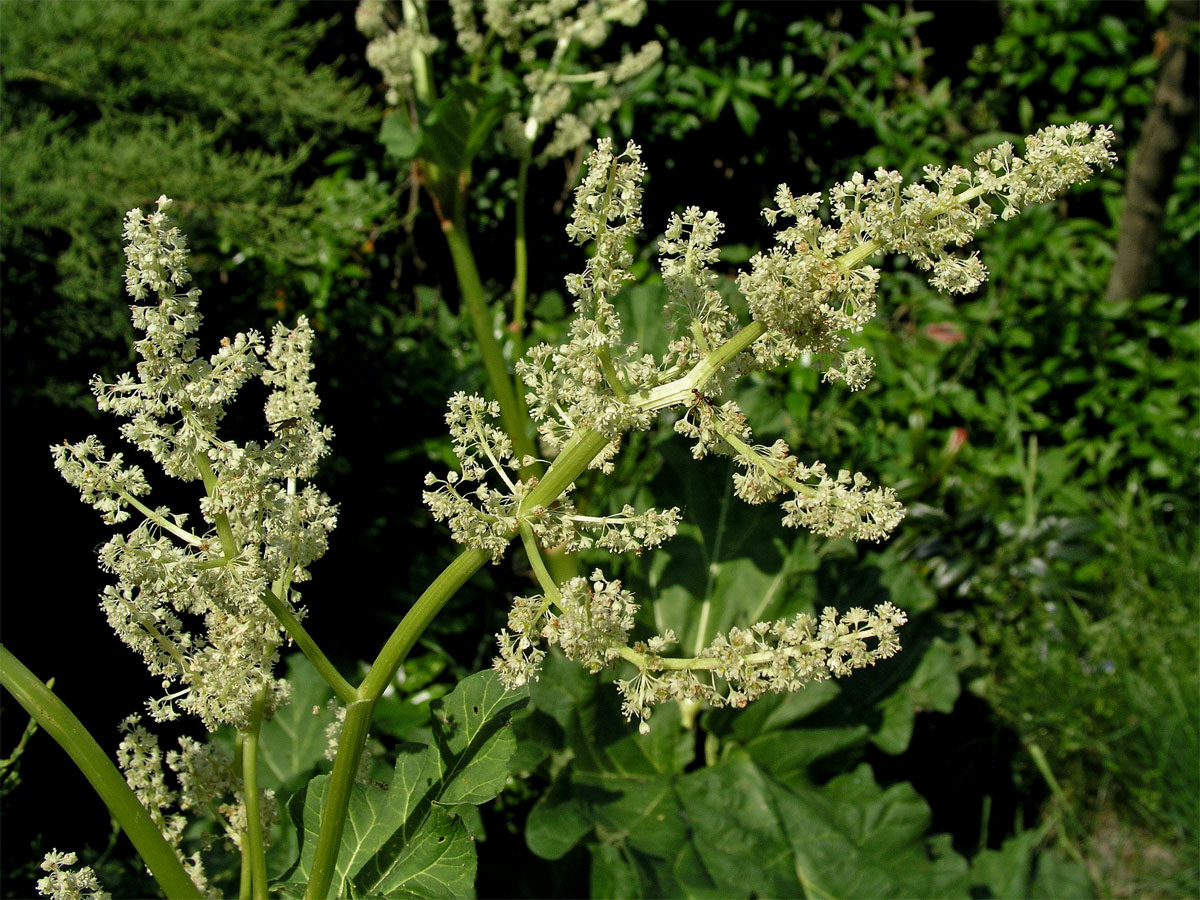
[(806, 296)]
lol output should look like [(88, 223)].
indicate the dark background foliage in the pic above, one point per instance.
[(1043, 436)]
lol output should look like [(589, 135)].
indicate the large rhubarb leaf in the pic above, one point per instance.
[(405, 838)]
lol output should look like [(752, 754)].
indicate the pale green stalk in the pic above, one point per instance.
[(520, 277), (253, 850), (107, 781), (165, 524), (414, 18), (549, 587), (515, 422), (245, 873), (570, 464), (679, 391), (221, 520)]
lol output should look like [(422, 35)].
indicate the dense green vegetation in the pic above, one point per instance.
[(1037, 736)]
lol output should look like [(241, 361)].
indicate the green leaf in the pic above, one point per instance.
[(934, 685), (405, 839), (1017, 870), (747, 114), (846, 839), (400, 138), (786, 755), (459, 125), (556, 823), (293, 742)]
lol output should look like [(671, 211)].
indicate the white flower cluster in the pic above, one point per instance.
[(924, 223), (769, 657), (800, 289), (486, 518), (696, 313), (561, 98), (64, 884), (845, 506), (392, 47), (813, 287), (806, 295), (262, 526), (590, 620), (585, 383), (209, 784)]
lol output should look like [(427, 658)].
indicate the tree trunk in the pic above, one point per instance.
[(1156, 159)]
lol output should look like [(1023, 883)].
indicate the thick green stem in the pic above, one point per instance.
[(610, 374), (569, 465), (165, 524), (414, 623), (414, 18), (521, 271), (515, 423), (253, 848), (337, 797), (62, 725), (246, 873), (678, 391)]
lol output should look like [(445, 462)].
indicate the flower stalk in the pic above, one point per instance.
[(69, 733)]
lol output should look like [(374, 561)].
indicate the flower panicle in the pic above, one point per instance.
[(485, 517), (777, 657), (592, 619), (698, 316), (586, 382), (210, 783), (847, 505), (63, 882), (104, 482), (814, 287), (561, 98), (190, 601)]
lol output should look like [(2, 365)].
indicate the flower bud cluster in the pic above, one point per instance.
[(103, 483), (64, 884), (564, 99), (172, 381), (696, 314), (209, 785), (711, 426), (591, 620), (262, 526), (561, 97), (924, 223), (585, 382), (479, 515), (813, 287), (392, 47), (485, 518), (769, 657), (845, 506)]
